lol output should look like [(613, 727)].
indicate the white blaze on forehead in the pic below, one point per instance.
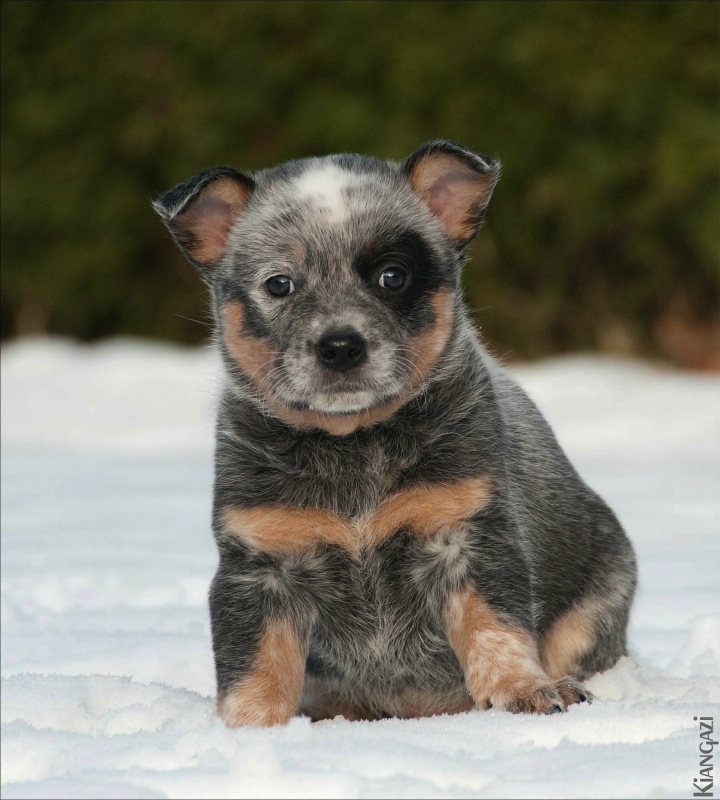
[(324, 187)]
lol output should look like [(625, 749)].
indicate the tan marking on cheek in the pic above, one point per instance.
[(253, 356), (256, 358), (424, 351), (270, 693), (569, 638), (426, 348), (500, 662), (278, 530), (426, 509)]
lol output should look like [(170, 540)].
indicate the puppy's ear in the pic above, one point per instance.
[(200, 212), (455, 183)]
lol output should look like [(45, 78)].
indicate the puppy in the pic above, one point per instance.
[(399, 532)]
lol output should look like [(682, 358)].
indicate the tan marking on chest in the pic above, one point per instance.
[(424, 510), (427, 508), (278, 530), (270, 693), (255, 357)]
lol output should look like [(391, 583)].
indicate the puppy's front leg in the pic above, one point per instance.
[(500, 660), (260, 655)]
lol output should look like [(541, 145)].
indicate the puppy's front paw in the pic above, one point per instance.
[(551, 698), (572, 692), (239, 708)]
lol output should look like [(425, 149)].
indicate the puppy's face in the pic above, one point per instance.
[(346, 281), (334, 279)]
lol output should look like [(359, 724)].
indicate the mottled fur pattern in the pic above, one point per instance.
[(405, 536)]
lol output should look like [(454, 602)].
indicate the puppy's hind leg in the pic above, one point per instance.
[(591, 635)]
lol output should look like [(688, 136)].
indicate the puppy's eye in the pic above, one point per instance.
[(280, 285), (393, 278)]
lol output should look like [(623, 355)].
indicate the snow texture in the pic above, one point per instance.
[(107, 555)]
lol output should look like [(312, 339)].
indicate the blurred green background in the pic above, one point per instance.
[(602, 234)]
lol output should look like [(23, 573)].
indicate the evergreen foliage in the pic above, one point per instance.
[(602, 232)]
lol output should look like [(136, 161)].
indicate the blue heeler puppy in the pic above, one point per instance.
[(399, 532)]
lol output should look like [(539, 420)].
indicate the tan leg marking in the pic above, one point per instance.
[(501, 663), (255, 358), (569, 638), (278, 530), (270, 693), (428, 508), (424, 510)]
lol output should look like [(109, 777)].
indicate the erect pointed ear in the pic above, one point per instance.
[(455, 183), (200, 212)]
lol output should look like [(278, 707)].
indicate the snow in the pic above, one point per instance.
[(107, 675)]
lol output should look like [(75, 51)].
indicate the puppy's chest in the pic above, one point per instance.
[(349, 481), (433, 518), (370, 548), (358, 505), (385, 608)]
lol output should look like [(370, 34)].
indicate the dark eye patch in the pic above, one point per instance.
[(409, 252)]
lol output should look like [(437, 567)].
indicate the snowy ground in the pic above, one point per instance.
[(106, 558)]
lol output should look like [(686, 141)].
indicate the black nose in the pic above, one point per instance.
[(341, 350)]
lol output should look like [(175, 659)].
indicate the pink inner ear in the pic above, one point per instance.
[(454, 192), (451, 199), (209, 218)]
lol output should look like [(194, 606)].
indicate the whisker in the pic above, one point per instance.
[(199, 322)]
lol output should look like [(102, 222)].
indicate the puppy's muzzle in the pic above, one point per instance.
[(341, 350)]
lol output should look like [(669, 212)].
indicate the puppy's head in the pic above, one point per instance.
[(335, 279)]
